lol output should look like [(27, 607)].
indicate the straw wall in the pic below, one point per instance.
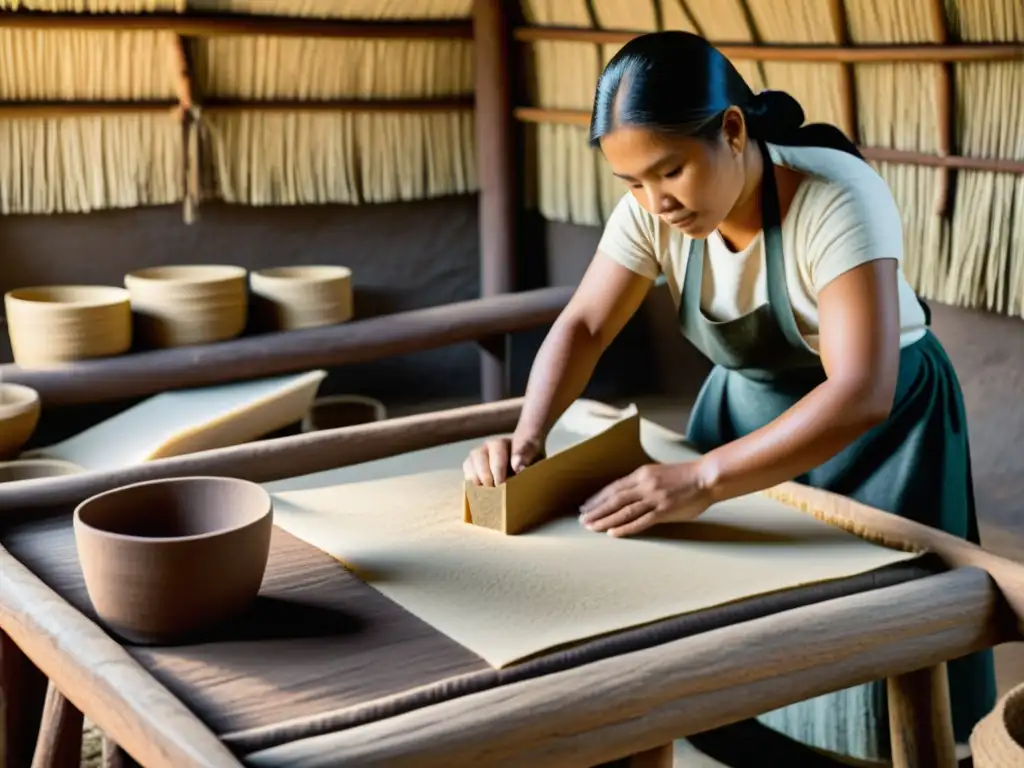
[(292, 157), (964, 231), (48, 164)]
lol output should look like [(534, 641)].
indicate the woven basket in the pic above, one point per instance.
[(998, 740)]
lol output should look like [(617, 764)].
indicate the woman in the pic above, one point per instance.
[(782, 249)]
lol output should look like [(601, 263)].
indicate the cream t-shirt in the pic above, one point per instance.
[(843, 215)]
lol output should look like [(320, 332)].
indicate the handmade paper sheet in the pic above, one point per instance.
[(511, 597)]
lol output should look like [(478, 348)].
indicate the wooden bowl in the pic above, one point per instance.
[(19, 415), (998, 739), (36, 469), (288, 298), (342, 411), (179, 306), (51, 325), (166, 560)]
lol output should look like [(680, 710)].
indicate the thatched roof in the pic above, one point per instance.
[(965, 230)]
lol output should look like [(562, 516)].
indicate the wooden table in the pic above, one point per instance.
[(327, 671)]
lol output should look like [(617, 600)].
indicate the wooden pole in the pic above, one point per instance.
[(883, 154), (184, 79), (496, 175), (848, 80), (110, 379), (917, 52), (921, 719), (60, 735), (50, 109), (219, 25), (22, 695), (945, 112)]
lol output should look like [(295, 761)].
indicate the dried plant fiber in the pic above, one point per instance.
[(563, 76), (290, 158), (987, 265), (304, 68), (82, 164)]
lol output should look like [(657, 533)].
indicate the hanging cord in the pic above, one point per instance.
[(191, 120)]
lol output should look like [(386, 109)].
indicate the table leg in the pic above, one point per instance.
[(115, 757), (659, 757), (22, 693), (921, 719), (60, 733)]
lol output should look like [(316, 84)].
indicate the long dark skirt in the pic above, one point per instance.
[(916, 465)]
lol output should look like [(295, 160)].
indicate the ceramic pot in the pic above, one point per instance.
[(289, 298), (19, 415), (36, 469), (179, 306), (342, 411), (998, 739), (166, 560), (50, 325)]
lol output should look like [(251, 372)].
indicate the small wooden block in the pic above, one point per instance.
[(557, 484)]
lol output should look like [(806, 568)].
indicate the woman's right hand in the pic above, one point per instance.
[(489, 464)]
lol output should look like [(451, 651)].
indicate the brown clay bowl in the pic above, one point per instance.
[(51, 325), (998, 739), (288, 298), (167, 560), (19, 416), (178, 306), (36, 469), (342, 411)]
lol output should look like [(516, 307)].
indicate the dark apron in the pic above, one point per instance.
[(916, 464)]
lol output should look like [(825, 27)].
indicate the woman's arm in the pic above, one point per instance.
[(860, 350), (607, 297)]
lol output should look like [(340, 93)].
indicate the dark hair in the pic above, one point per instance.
[(678, 83)]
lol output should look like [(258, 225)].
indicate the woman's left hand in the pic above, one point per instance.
[(655, 493)]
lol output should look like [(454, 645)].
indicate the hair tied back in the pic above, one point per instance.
[(774, 116)]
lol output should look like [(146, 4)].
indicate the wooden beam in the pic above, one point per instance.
[(52, 109), (880, 154), (145, 373), (992, 164), (278, 458), (636, 701), (496, 156), (801, 52), (220, 25)]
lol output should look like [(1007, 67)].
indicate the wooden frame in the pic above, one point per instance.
[(145, 373), (592, 713)]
